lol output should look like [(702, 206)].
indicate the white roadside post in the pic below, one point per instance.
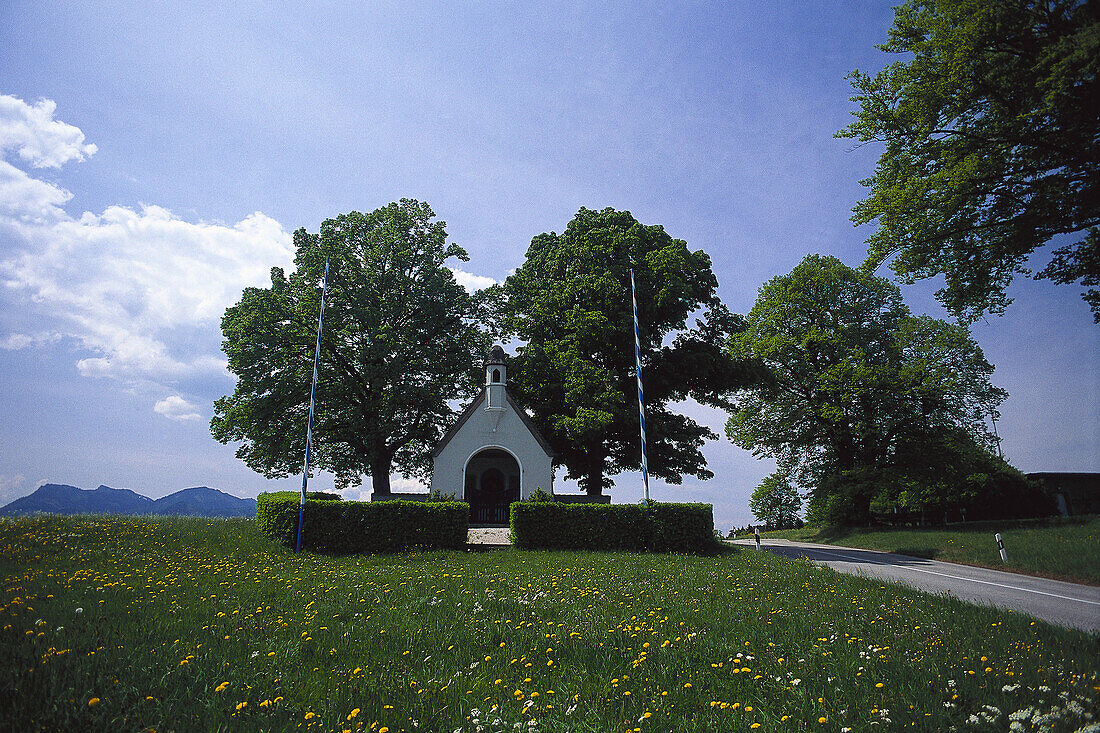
[(757, 531), (1001, 547)]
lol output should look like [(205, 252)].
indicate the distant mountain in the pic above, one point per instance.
[(200, 501), (203, 501)]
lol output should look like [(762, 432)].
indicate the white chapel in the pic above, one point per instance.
[(494, 454)]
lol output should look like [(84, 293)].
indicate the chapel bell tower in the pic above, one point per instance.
[(496, 377)]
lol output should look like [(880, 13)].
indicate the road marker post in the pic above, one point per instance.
[(1001, 547), (757, 531)]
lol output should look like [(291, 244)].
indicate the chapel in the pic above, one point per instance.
[(493, 455)]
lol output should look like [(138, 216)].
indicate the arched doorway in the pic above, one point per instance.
[(491, 484)]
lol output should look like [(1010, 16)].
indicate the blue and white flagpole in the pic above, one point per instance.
[(309, 424), (641, 403)]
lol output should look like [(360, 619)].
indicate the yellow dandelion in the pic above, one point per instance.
[(221, 687), (93, 702)]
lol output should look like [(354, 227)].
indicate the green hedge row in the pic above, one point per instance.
[(349, 527), (656, 528)]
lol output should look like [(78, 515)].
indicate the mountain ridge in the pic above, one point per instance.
[(197, 501)]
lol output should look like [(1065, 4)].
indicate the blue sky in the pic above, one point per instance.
[(156, 157)]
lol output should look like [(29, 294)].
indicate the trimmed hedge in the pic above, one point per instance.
[(656, 528), (350, 527)]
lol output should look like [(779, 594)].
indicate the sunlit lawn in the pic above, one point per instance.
[(1067, 548), (181, 625)]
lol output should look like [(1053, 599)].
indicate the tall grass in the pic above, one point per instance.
[(1067, 548), (205, 625)]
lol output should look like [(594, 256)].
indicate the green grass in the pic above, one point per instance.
[(1061, 547), (200, 625)]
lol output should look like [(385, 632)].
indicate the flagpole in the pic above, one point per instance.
[(641, 404), (309, 424)]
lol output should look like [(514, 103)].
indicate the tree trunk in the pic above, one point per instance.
[(380, 476), (593, 481)]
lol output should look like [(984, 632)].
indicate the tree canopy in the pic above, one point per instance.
[(853, 380), (398, 344), (570, 304), (776, 502), (992, 146)]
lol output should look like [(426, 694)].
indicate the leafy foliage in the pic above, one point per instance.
[(992, 143), (856, 384), (655, 528), (570, 303), (944, 473), (776, 502), (399, 342)]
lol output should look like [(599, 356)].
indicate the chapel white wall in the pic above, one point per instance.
[(478, 433)]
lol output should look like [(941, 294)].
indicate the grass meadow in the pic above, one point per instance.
[(126, 624), (1057, 547)]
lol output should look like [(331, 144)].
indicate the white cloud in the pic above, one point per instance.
[(29, 200), (123, 282), (472, 282), (37, 137), (16, 341), (142, 289), (399, 484), (175, 407)]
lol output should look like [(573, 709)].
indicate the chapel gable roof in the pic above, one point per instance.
[(472, 408)]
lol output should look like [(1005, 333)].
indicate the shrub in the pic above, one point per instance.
[(656, 528), (348, 527)]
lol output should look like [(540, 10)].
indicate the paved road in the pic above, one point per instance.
[(1065, 604)]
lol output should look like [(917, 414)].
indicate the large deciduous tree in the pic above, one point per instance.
[(398, 344), (854, 381), (570, 303), (992, 146), (776, 502)]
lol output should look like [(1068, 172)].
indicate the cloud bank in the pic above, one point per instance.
[(140, 290), (39, 139)]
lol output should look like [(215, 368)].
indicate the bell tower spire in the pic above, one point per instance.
[(496, 377)]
